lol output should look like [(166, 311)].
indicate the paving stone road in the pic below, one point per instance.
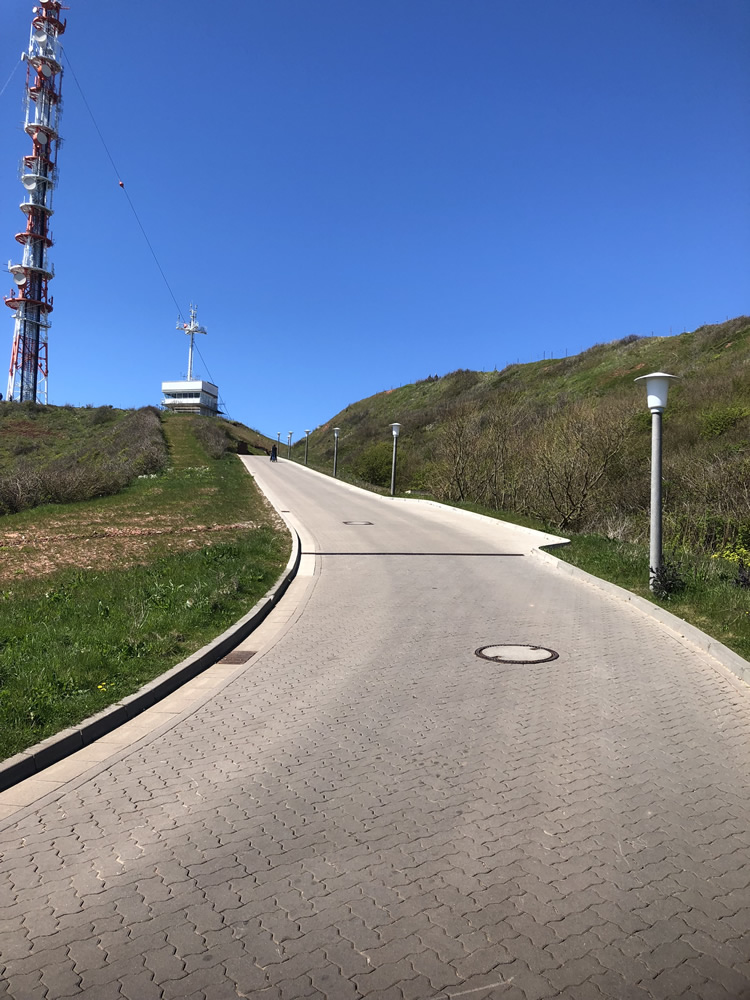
[(371, 810)]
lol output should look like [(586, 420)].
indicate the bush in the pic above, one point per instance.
[(102, 415), (133, 446), (668, 578), (721, 419), (212, 435), (374, 464)]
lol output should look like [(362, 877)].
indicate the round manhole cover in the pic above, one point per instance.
[(357, 522), (516, 653)]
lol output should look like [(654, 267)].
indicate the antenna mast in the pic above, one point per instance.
[(191, 329), (27, 378), (191, 395)]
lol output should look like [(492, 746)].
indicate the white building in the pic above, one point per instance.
[(193, 396)]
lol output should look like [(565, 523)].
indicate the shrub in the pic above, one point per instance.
[(668, 578), (631, 338), (102, 415), (127, 448), (374, 463), (212, 435), (736, 554), (721, 419)]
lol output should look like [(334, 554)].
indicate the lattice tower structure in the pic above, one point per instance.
[(30, 300)]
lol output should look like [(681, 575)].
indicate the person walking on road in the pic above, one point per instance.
[(273, 453)]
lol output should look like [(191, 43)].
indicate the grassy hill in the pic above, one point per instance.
[(63, 454), (60, 454), (167, 543), (564, 444), (566, 441)]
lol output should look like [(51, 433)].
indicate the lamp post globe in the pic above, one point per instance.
[(657, 389), (395, 428)]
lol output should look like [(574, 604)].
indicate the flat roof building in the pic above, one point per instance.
[(194, 396)]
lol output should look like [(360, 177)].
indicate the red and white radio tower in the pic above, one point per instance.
[(27, 379)]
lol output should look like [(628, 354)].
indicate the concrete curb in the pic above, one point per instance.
[(725, 656), (55, 748), (543, 537)]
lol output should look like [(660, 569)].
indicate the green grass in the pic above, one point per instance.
[(33, 430), (76, 639), (98, 636), (710, 600), (59, 454)]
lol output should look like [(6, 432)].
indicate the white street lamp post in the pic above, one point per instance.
[(289, 445), (395, 428), (657, 387), (278, 439), (307, 439), (335, 450)]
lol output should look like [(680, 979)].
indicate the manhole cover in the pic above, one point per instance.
[(516, 653), (357, 522), (238, 656)]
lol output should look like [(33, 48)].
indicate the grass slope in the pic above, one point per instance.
[(59, 454), (712, 362), (51, 432), (96, 598), (245, 440)]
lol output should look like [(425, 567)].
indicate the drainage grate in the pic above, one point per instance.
[(357, 522), (238, 656), (516, 653)]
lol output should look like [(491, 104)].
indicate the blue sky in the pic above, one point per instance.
[(359, 193)]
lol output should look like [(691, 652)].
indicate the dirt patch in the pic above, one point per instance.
[(619, 372), (29, 555), (17, 538), (23, 428)]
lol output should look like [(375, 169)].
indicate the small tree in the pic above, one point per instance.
[(571, 456), (374, 463), (457, 471)]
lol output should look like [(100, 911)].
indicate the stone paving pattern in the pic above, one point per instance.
[(370, 810)]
